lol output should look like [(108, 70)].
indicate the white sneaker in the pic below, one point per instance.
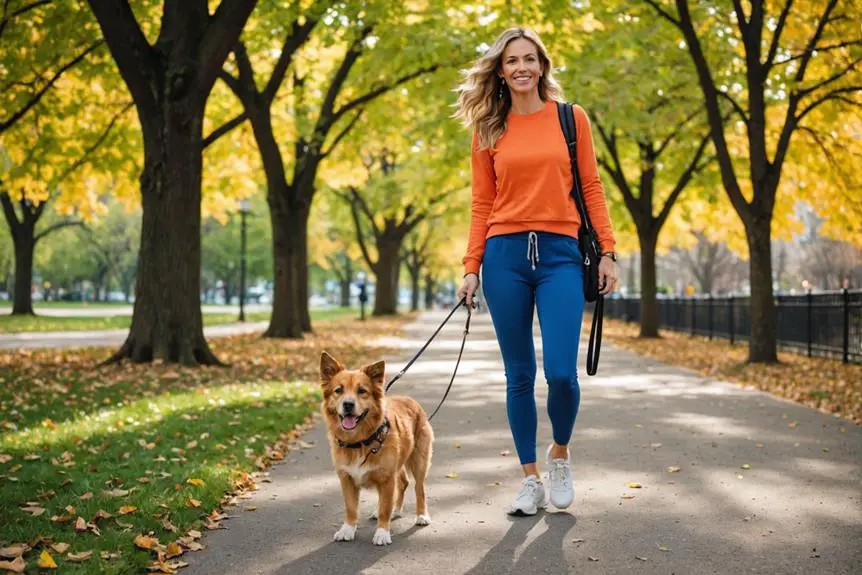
[(560, 474), (530, 497)]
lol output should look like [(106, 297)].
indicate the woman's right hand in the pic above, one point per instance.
[(468, 288)]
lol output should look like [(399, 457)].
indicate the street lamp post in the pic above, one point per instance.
[(244, 208)]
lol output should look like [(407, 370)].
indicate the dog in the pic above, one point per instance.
[(376, 442)]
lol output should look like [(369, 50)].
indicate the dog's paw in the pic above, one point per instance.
[(346, 533), (382, 537), (423, 520)]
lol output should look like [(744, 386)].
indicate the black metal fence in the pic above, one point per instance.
[(825, 324)]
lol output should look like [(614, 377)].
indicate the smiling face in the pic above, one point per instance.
[(351, 397), (520, 66)]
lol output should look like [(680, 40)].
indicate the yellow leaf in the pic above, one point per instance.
[(46, 561), (146, 542), (198, 482), (663, 548), (634, 485), (628, 496), (174, 550), (452, 475), (191, 502), (746, 466), (126, 509), (673, 469)]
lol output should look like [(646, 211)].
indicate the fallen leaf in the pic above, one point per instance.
[(80, 524), (174, 550), (195, 533), (197, 482), (168, 525), (116, 492), (634, 485), (101, 514), (46, 561), (192, 502), (61, 518), (746, 466), (591, 558), (146, 542), (494, 484), (663, 548), (32, 457), (628, 496), (452, 475), (191, 444), (505, 453), (640, 558), (792, 425), (579, 540), (82, 556), (60, 547), (34, 510), (16, 566), (251, 508), (673, 469), (6, 458), (126, 509), (86, 496), (14, 550)]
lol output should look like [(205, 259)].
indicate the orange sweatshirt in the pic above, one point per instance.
[(524, 183)]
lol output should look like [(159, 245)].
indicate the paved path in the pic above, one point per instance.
[(106, 337), (82, 310), (795, 510)]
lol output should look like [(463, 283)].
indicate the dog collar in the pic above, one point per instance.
[(378, 436)]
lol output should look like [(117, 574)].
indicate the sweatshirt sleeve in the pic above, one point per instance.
[(594, 193), (484, 186)]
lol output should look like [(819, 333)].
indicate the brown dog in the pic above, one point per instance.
[(375, 442)]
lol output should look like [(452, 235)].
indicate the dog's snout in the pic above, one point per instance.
[(348, 405)]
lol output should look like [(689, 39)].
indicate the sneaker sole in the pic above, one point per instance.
[(523, 512)]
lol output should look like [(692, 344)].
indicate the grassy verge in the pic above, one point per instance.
[(122, 467), (825, 384), (41, 323)]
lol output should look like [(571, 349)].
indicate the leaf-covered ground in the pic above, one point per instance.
[(39, 323), (114, 469), (825, 384)]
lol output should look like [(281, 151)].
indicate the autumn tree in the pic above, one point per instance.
[(170, 74), (377, 51), (787, 60)]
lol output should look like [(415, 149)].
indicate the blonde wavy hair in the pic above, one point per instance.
[(479, 106)]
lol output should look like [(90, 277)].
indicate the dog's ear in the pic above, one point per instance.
[(328, 367), (375, 372)]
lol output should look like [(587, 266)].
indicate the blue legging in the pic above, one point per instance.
[(519, 271)]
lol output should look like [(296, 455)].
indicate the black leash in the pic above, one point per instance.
[(427, 343), (595, 346)]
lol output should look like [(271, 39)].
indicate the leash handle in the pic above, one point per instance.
[(427, 343), (595, 345)]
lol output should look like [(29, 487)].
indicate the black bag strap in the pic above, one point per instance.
[(570, 131), (567, 121)]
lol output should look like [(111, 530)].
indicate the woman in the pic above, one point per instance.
[(523, 234)]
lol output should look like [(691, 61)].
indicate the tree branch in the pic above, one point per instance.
[(297, 36), (23, 10), (735, 105), (830, 79), (776, 36), (9, 212), (676, 131), (360, 237), (57, 226), (343, 133), (691, 170), (808, 53), (833, 95), (327, 117), (82, 160), (662, 13), (6, 124), (224, 129), (829, 48), (220, 37)]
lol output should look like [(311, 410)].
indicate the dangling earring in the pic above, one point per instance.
[(500, 90)]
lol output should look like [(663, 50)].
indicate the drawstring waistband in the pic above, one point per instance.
[(533, 249)]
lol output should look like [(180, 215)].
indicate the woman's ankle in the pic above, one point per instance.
[(559, 451)]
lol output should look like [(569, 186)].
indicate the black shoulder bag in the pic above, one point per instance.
[(587, 240)]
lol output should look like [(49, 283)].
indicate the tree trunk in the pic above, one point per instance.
[(415, 274), (386, 275), (167, 323), (285, 321), (302, 269), (762, 345), (649, 304), (429, 291), (25, 245), (345, 283)]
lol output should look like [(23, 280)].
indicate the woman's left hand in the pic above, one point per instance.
[(607, 275)]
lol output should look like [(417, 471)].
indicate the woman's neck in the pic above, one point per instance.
[(523, 104)]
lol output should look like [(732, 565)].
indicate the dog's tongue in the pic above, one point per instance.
[(349, 422)]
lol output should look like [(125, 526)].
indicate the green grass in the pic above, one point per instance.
[(43, 323), (69, 427)]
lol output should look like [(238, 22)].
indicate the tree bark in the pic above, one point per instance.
[(170, 82), (285, 321), (346, 280), (386, 275), (25, 245), (429, 291), (302, 269), (649, 304), (762, 346), (415, 274)]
